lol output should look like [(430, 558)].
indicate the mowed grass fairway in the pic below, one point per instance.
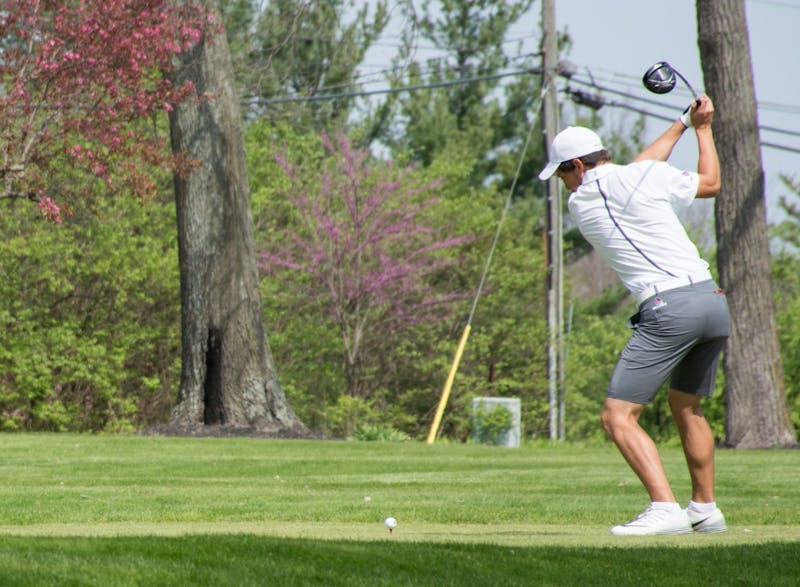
[(129, 510)]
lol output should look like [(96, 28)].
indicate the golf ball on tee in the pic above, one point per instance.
[(390, 522)]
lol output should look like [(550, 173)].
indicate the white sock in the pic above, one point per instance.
[(665, 505), (702, 508)]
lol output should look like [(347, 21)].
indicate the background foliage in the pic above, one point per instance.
[(89, 309), (786, 272)]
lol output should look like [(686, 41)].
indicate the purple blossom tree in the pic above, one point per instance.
[(364, 233)]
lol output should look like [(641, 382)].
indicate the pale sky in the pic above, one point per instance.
[(618, 36), (617, 40)]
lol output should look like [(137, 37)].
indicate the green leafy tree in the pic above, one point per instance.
[(504, 355), (470, 135), (407, 369), (471, 118), (365, 241)]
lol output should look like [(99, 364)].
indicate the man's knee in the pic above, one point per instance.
[(687, 404), (612, 419), (606, 420), (617, 414)]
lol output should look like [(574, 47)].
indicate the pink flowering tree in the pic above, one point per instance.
[(75, 77), (364, 235)]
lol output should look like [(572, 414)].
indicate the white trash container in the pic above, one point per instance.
[(509, 437)]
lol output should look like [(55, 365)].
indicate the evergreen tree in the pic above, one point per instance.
[(481, 107), (299, 49)]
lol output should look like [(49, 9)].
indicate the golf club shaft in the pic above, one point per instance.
[(691, 89), (688, 85)]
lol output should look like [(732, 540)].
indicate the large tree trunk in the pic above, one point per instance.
[(227, 375), (757, 412)]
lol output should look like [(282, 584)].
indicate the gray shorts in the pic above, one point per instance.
[(678, 333)]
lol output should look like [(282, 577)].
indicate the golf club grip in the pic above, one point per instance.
[(697, 102)]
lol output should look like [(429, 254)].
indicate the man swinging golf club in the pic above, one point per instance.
[(627, 214)]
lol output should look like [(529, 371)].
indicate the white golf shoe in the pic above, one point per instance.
[(656, 520), (706, 522)]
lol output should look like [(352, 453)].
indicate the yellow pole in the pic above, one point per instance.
[(437, 419)]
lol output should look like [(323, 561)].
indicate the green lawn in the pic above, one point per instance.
[(117, 510)]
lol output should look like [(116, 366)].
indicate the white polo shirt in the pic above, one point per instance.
[(630, 220)]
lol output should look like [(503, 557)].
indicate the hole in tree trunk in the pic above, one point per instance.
[(214, 412)]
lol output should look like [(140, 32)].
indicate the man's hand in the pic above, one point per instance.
[(701, 115)]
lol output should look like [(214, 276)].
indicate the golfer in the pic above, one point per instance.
[(627, 213)]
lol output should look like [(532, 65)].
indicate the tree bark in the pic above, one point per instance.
[(757, 413), (227, 374)]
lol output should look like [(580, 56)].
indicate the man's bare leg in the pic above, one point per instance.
[(620, 421), (698, 443)]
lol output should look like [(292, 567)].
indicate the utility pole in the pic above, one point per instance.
[(554, 241)]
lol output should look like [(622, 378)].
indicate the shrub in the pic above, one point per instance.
[(89, 310), (489, 424)]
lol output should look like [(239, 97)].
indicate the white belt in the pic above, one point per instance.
[(662, 286)]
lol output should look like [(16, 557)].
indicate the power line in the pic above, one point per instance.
[(783, 131), (774, 3), (625, 106), (761, 105), (396, 42), (379, 70), (375, 76), (591, 100), (362, 93), (778, 147), (630, 81), (595, 100)]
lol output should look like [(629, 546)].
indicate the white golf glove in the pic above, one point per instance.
[(686, 117)]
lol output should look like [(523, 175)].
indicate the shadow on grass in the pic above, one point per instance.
[(256, 560)]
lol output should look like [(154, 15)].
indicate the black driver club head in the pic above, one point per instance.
[(660, 78)]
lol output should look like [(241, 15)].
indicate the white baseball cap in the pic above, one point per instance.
[(569, 144)]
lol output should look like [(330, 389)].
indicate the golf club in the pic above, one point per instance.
[(660, 78)]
